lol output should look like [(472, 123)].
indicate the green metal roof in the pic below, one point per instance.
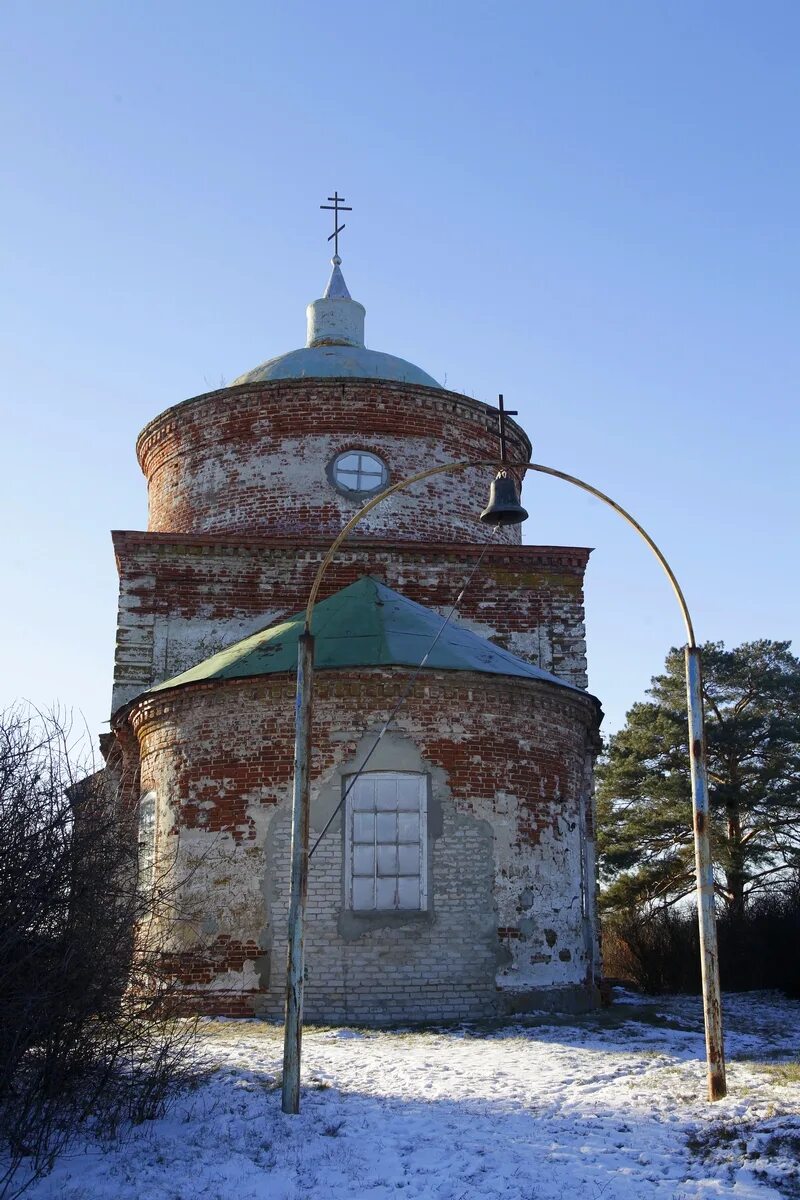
[(363, 625)]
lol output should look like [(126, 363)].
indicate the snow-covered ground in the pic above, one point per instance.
[(599, 1107)]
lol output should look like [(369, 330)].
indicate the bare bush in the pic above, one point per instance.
[(659, 950), (87, 1040)]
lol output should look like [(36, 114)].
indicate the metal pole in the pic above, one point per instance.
[(293, 1027), (709, 959)]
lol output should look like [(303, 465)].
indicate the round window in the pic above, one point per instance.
[(359, 472)]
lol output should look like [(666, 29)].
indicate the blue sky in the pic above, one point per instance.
[(590, 207)]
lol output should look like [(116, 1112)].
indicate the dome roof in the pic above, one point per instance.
[(326, 362), (335, 346)]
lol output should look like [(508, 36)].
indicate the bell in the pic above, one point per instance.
[(504, 507)]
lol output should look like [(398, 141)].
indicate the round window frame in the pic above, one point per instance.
[(353, 493)]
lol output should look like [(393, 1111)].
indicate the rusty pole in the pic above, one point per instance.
[(706, 917), (301, 804)]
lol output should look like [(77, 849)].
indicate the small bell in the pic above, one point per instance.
[(504, 507)]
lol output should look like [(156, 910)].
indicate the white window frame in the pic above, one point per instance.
[(362, 472), (356, 796)]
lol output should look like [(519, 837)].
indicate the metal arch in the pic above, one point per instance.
[(712, 1008), (462, 466)]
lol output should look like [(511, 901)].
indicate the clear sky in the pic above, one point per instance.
[(591, 207)]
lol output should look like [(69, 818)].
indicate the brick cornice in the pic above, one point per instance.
[(222, 544), (149, 707)]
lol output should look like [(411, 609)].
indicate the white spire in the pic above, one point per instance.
[(336, 319), (337, 288)]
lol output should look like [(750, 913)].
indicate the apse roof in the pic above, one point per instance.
[(364, 625), (335, 346)]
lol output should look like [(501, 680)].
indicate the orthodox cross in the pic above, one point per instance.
[(336, 208), (502, 413)]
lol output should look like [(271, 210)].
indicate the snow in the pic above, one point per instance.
[(608, 1106)]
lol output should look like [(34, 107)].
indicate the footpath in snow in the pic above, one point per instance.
[(601, 1107)]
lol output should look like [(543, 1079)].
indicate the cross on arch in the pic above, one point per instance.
[(337, 207), (502, 413)]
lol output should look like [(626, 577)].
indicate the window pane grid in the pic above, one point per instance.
[(385, 846), (359, 471)]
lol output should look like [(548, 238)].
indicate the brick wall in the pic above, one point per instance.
[(183, 598), (511, 920), (251, 459)]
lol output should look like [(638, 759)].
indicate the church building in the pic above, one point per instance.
[(457, 880)]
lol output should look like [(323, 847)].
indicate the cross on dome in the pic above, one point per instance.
[(337, 207), (335, 346)]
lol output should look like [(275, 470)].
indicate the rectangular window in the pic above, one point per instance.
[(386, 822), (147, 841)]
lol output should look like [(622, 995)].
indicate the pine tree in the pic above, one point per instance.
[(752, 707)]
